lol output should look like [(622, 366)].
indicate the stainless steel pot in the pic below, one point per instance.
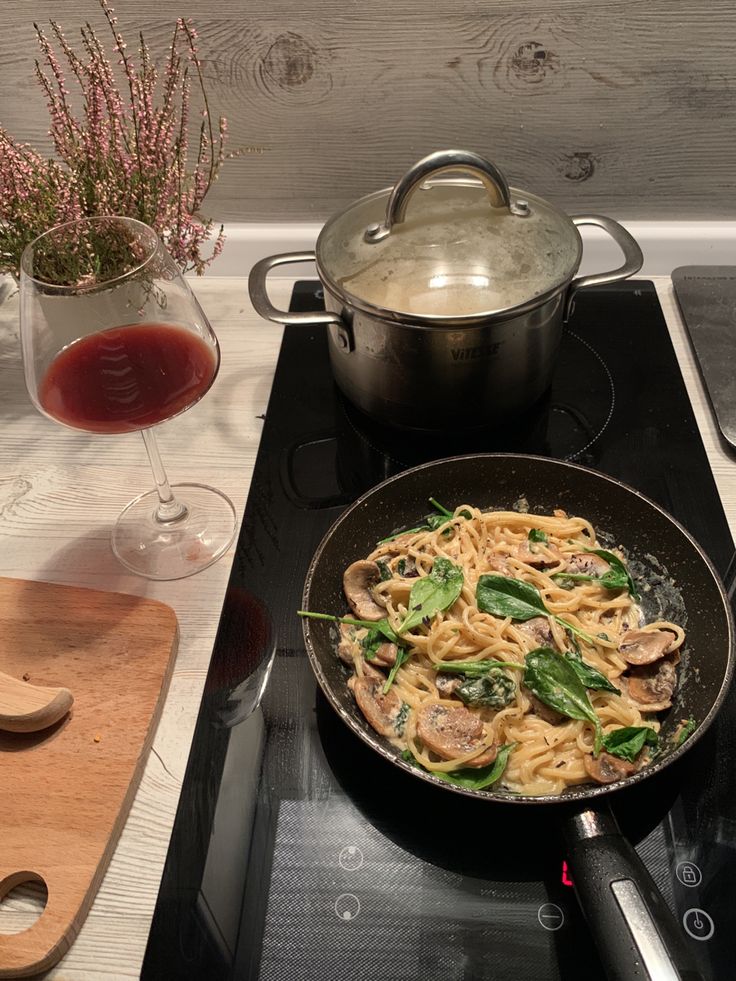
[(449, 313)]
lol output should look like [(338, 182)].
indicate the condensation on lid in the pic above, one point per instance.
[(453, 256)]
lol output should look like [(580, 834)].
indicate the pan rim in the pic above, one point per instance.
[(580, 793)]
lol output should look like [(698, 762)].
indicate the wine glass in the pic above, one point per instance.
[(114, 341)]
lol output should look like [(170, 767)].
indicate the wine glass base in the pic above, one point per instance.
[(173, 550)]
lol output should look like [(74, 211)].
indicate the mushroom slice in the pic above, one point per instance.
[(587, 564), (498, 563), (606, 768), (407, 567), (358, 581), (370, 672), (539, 630), (349, 645), (385, 655), (646, 646), (652, 685), (446, 684), (451, 731), (381, 711), (531, 554)]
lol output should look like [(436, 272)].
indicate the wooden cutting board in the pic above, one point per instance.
[(65, 793)]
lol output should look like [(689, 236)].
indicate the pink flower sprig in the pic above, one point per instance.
[(127, 152)]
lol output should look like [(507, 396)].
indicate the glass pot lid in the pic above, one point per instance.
[(441, 247)]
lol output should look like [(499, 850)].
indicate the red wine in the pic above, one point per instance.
[(127, 378)]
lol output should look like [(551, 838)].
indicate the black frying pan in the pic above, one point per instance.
[(632, 925)]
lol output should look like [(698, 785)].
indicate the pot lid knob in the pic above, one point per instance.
[(438, 163)]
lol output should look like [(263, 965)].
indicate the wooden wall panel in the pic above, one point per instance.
[(625, 107)]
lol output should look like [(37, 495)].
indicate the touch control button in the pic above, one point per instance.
[(698, 924), (351, 858), (689, 874), (347, 906), (550, 916)]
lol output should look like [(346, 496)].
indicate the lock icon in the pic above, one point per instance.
[(689, 874)]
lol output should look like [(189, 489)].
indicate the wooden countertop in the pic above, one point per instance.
[(59, 495)]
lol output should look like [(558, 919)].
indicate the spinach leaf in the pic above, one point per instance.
[(379, 631), (506, 597), (433, 593), (398, 534), (383, 570), (590, 676), (618, 567), (440, 508), (449, 514), (400, 720), (431, 523), (537, 535), (617, 577), (502, 596), (472, 778), (402, 656), (613, 579), (554, 681), (370, 643), (493, 689), (383, 626), (686, 729), (629, 741), (475, 669)]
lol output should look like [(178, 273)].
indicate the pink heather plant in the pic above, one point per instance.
[(125, 154)]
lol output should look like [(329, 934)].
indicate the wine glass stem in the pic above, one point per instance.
[(169, 509)]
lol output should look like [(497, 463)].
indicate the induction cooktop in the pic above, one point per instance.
[(296, 852)]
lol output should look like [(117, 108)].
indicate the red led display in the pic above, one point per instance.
[(566, 880)]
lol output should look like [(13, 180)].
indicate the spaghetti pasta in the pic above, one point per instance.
[(464, 685)]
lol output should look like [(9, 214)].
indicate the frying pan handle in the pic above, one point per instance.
[(635, 932)]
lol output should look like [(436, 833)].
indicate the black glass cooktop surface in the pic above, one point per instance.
[(296, 852)]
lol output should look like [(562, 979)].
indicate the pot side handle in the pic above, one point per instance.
[(634, 930), (633, 257), (258, 293)]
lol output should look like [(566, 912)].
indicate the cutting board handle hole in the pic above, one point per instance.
[(23, 897)]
